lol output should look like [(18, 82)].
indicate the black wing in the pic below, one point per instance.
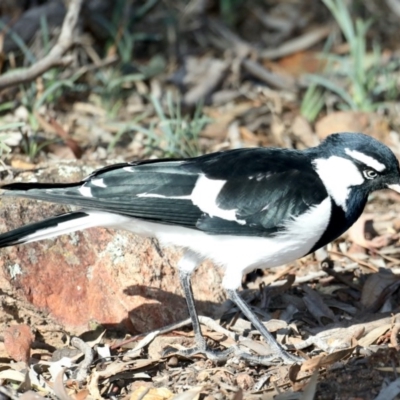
[(263, 187)]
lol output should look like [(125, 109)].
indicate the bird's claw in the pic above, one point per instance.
[(210, 354)]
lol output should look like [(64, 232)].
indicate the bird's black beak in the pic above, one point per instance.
[(394, 186)]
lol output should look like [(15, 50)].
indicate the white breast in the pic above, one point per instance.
[(239, 254)]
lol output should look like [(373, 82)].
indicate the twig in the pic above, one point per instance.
[(354, 259), (270, 78), (242, 50), (161, 331), (207, 321), (338, 276), (55, 56), (300, 43), (315, 275)]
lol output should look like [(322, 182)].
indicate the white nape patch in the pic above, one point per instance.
[(241, 254), (365, 159), (204, 196), (160, 196), (98, 182), (338, 175), (85, 191)]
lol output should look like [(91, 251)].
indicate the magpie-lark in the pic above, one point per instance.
[(243, 209)]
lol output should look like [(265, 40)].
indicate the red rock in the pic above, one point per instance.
[(17, 342), (113, 278)]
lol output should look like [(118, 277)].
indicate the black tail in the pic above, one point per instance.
[(35, 185), (64, 193), (51, 227)]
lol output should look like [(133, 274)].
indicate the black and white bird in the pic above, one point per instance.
[(243, 209)]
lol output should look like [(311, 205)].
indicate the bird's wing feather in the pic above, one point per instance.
[(264, 206), (243, 192)]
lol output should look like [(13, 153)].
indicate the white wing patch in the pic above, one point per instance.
[(98, 182), (204, 196), (338, 175), (365, 159), (129, 169), (85, 191), (160, 196)]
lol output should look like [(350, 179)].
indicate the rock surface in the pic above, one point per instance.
[(102, 276)]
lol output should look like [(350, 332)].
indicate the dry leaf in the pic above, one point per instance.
[(244, 381), (192, 394), (374, 335), (316, 306), (145, 393), (59, 388), (353, 121), (20, 164), (341, 121), (71, 143), (88, 108), (326, 360), (52, 126), (294, 370), (31, 395), (202, 77), (82, 394), (377, 288), (357, 234), (302, 130), (303, 62), (11, 375), (238, 395)]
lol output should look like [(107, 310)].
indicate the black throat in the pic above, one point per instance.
[(341, 220)]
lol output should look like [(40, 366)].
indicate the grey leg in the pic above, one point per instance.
[(187, 289), (277, 350), (186, 267)]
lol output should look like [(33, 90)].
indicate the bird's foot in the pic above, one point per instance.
[(212, 355), (282, 357), (273, 359)]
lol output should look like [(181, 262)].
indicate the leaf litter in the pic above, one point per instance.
[(336, 324), (342, 318)]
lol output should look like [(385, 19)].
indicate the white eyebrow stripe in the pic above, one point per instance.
[(367, 160)]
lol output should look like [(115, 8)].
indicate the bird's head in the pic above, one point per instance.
[(354, 165)]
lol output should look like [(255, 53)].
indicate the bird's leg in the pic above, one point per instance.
[(187, 289), (186, 266), (277, 350)]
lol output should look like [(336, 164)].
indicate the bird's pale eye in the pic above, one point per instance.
[(370, 174)]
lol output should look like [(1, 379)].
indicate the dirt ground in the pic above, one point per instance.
[(129, 88)]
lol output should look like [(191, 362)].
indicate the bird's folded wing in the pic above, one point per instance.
[(242, 192)]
